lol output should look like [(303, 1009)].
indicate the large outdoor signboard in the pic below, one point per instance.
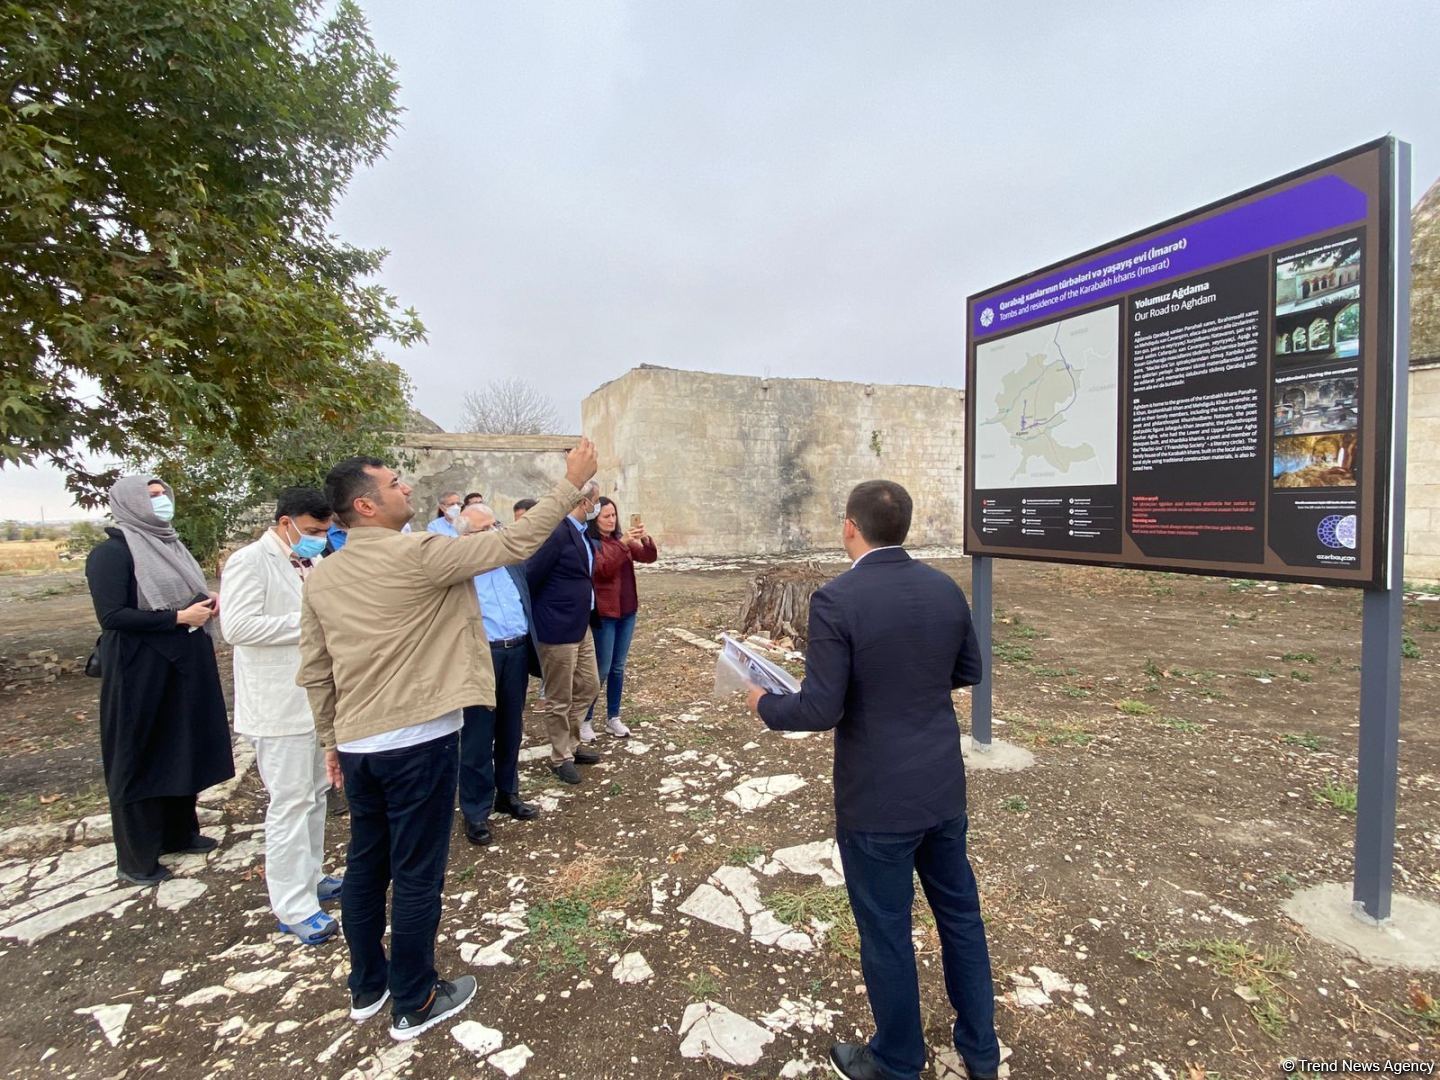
[(1213, 395)]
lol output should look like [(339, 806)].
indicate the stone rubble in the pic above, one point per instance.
[(708, 1029)]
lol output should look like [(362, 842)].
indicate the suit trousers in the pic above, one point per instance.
[(879, 876), (292, 768), (145, 829), (571, 686), (490, 739)]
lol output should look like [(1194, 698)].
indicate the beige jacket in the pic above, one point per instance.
[(390, 630)]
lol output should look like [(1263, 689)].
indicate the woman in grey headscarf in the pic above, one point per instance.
[(164, 736)]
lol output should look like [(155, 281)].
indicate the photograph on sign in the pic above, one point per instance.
[(1210, 395)]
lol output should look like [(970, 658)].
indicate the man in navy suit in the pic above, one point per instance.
[(889, 640), (562, 597)]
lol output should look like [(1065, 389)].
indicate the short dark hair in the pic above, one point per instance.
[(294, 501), (348, 481), (592, 527), (469, 495), (524, 504), (881, 510)]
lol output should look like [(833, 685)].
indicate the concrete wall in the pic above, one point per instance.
[(1422, 481), (720, 464), (504, 467)]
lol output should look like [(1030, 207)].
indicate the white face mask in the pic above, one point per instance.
[(452, 512), (593, 512), (163, 506)]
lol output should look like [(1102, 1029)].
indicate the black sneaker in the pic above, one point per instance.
[(364, 1006), (586, 757), (445, 1000), (162, 874), (198, 845)]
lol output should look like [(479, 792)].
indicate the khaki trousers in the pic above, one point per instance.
[(571, 685)]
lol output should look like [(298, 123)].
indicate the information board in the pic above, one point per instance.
[(1212, 395)]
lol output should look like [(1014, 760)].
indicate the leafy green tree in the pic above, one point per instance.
[(83, 536), (221, 488), (168, 170)]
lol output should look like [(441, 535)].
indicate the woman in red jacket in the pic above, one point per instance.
[(616, 602)]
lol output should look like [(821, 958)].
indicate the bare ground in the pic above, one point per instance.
[(1184, 731)]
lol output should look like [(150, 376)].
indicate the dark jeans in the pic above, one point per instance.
[(401, 805), (612, 647), (145, 829), (490, 740), (878, 876)]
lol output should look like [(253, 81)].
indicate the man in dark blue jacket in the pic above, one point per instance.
[(889, 640), (562, 596)]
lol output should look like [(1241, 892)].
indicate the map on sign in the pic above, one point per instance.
[(1046, 405)]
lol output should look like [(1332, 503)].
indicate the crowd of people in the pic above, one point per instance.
[(396, 667)]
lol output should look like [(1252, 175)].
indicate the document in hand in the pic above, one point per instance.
[(739, 668)]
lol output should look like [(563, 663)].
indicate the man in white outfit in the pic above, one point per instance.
[(260, 593)]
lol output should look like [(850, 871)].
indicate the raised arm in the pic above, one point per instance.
[(821, 700)]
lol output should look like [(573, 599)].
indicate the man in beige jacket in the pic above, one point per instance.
[(392, 650)]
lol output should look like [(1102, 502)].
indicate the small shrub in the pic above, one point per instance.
[(1299, 658), (1305, 739), (1341, 796), (1016, 804), (1131, 707), (1184, 727), (1409, 649)]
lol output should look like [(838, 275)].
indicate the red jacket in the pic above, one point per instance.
[(615, 592)]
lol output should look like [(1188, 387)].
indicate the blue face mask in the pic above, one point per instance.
[(163, 506), (308, 547)]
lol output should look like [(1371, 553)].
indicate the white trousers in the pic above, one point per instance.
[(292, 768)]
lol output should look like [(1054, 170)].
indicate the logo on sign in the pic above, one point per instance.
[(987, 316), (1337, 531)]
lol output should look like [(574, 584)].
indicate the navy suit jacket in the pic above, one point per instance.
[(889, 640), (522, 586), (561, 591)]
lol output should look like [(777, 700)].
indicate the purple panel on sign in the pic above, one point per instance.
[(1316, 206)]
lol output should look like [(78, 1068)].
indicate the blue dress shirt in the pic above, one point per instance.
[(500, 607)]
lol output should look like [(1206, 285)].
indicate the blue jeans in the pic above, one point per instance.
[(612, 647), (402, 803), (490, 740), (878, 877)]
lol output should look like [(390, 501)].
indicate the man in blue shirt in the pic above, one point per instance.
[(490, 739)]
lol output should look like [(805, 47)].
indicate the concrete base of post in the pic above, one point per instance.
[(997, 755), (1409, 939)]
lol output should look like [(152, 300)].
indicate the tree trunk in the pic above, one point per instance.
[(779, 602)]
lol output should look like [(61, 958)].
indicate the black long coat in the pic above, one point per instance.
[(163, 729)]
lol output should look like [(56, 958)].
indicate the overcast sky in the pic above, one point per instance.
[(812, 189)]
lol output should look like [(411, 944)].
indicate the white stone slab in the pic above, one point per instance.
[(713, 906), (111, 1019), (382, 1066), (29, 931), (818, 859), (174, 894), (206, 995), (491, 955), (741, 884), (511, 1061), (477, 1038), (808, 1015), (711, 1030), (632, 968), (761, 791), (250, 982)]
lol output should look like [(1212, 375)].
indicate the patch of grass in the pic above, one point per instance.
[(744, 855), (1201, 674), (595, 880), (1153, 670), (1052, 672), (1428, 589), (1023, 630), (1299, 658), (701, 986), (1145, 956), (829, 905), (1258, 969), (1184, 727), (1308, 740), (1260, 673), (1430, 627), (1131, 707), (1285, 878), (464, 874), (1209, 694), (614, 788), (1015, 803), (1049, 732), (1075, 691), (1011, 653), (1242, 585), (1301, 676), (1409, 649), (700, 814), (1423, 1007), (562, 930), (1341, 796)]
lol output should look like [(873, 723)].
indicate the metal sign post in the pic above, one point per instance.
[(982, 613), (1382, 632)]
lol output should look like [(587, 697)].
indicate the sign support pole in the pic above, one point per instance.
[(982, 613), (1382, 632)]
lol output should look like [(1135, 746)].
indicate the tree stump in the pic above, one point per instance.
[(779, 602)]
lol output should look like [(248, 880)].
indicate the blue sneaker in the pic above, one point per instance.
[(318, 928), (328, 889)]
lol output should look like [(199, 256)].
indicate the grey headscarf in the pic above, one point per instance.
[(167, 577)]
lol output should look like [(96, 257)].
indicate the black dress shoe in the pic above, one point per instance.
[(520, 811), (477, 832), (585, 757), (566, 771), (855, 1061)]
